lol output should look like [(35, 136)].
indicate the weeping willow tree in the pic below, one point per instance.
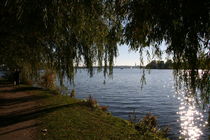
[(58, 35), (62, 34), (184, 26)]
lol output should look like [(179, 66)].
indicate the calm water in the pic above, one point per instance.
[(123, 94), (177, 110)]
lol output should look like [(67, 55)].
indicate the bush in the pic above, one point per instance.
[(73, 93), (149, 125), (92, 102), (48, 80)]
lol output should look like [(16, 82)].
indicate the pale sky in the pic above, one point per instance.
[(127, 57)]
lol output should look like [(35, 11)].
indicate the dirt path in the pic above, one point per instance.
[(17, 105)]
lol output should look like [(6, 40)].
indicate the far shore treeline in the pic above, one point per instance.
[(160, 65)]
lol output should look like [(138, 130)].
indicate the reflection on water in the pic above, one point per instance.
[(191, 116), (176, 108)]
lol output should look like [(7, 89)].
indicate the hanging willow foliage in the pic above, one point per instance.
[(185, 27), (58, 34), (62, 34)]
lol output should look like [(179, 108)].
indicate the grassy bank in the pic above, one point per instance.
[(67, 118)]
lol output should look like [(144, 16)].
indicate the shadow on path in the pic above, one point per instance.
[(22, 128), (21, 89), (18, 105), (12, 118), (12, 101)]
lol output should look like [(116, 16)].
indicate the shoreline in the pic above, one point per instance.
[(78, 116), (62, 117)]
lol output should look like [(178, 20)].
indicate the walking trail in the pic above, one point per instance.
[(17, 107)]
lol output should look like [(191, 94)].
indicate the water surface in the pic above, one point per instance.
[(123, 94)]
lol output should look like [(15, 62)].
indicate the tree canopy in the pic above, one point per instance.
[(58, 34), (160, 65), (61, 34)]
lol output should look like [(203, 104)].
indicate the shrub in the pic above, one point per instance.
[(148, 123), (92, 102), (73, 93), (48, 80)]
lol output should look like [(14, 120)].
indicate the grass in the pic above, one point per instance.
[(65, 118), (72, 119)]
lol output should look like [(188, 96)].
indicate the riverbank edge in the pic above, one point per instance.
[(62, 117), (71, 118)]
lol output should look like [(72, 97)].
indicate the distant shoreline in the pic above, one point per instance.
[(127, 67)]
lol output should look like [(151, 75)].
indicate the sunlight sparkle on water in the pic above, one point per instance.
[(191, 118)]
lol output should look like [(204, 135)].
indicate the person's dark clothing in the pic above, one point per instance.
[(17, 77)]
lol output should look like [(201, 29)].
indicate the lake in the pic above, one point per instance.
[(123, 94)]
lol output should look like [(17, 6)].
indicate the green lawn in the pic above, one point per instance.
[(67, 118)]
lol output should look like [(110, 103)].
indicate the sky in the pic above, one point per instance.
[(130, 58), (126, 57)]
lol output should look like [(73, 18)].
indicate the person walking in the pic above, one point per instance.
[(16, 77)]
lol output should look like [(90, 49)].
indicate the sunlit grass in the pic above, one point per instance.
[(73, 119)]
